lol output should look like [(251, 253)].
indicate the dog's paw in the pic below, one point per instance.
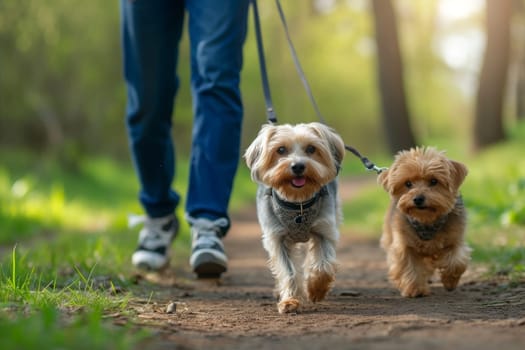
[(319, 285), (450, 276), (415, 291), (288, 306), (450, 282)]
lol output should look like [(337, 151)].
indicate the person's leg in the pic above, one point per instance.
[(151, 31), (217, 34)]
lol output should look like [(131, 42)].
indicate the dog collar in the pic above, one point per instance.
[(298, 206)]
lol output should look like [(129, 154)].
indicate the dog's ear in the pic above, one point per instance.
[(251, 156), (254, 152), (338, 147), (336, 143), (458, 173), (382, 179)]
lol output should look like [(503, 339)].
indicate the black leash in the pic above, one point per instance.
[(270, 112)]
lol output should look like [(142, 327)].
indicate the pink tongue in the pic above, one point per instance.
[(299, 181)]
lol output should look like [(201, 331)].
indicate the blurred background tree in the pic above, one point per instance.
[(396, 119), (488, 124), (517, 57), (61, 86)]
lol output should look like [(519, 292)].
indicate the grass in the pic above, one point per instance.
[(65, 245), (48, 329), (65, 253), (37, 312)]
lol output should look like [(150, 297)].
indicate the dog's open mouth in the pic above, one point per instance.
[(298, 181)]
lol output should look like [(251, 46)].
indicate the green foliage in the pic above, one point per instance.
[(503, 260), (507, 203), (61, 82), (498, 190), (63, 90), (514, 214), (37, 195)]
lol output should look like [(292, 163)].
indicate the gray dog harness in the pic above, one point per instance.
[(297, 218), (427, 232)]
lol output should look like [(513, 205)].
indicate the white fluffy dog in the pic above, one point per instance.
[(296, 167)]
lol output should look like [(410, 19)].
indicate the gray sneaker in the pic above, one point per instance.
[(155, 240), (208, 259)]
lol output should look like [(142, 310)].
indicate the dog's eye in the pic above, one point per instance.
[(281, 150), (408, 184), (433, 182), (310, 149)]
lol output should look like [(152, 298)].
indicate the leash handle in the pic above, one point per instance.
[(270, 111)]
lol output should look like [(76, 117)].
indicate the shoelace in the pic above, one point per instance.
[(154, 227), (207, 231)]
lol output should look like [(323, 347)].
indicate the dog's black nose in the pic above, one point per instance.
[(419, 200), (298, 168)]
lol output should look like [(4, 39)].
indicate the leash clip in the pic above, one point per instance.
[(377, 169), (371, 166)]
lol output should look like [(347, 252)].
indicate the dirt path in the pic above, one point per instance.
[(362, 312)]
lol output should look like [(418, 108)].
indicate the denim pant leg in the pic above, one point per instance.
[(217, 32), (151, 31)]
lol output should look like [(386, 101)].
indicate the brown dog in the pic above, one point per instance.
[(425, 223)]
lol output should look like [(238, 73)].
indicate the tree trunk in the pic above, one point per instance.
[(520, 90), (518, 37), (395, 114), (488, 123)]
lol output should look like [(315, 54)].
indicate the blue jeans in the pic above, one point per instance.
[(151, 33)]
